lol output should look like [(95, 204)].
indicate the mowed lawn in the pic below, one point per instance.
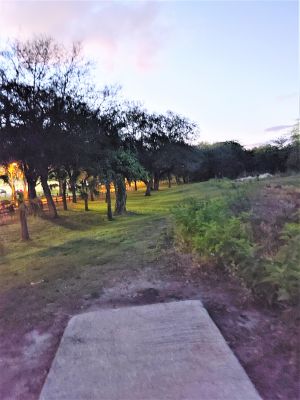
[(79, 242)]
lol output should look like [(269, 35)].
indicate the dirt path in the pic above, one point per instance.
[(29, 340), (32, 323)]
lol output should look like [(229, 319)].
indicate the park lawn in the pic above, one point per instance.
[(79, 242), (70, 262), (81, 261)]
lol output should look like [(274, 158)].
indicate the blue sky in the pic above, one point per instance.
[(232, 66)]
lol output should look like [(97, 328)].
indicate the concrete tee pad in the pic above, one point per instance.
[(162, 351)]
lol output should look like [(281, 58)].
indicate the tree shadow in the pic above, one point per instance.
[(77, 223), (71, 247)]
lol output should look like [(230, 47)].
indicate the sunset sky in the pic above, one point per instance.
[(230, 66)]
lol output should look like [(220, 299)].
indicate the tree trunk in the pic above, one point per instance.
[(169, 180), (135, 186), (86, 203), (13, 192), (120, 206), (64, 194), (148, 188), (108, 201), (47, 193), (92, 195), (25, 187), (23, 221), (60, 186), (177, 180), (73, 190), (156, 182), (33, 200), (31, 187)]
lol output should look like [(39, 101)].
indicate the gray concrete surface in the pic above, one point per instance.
[(165, 351)]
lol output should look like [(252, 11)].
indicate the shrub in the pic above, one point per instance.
[(213, 230), (219, 230), (282, 273)]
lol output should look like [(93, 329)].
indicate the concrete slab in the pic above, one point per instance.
[(170, 351)]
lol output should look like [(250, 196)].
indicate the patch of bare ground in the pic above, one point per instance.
[(264, 340), (32, 325)]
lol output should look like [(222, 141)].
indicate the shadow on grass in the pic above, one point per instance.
[(81, 221), (78, 223), (73, 247), (2, 254), (119, 235)]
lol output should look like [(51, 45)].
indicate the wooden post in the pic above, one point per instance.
[(23, 220)]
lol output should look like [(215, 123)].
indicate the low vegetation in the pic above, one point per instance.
[(230, 231), (250, 229)]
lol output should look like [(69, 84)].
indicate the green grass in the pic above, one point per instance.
[(79, 240), (84, 244)]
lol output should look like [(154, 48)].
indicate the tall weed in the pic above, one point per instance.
[(220, 231)]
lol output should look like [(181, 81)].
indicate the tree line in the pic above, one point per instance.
[(231, 160), (56, 124)]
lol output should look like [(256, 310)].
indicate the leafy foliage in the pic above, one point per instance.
[(219, 231), (283, 272), (214, 231)]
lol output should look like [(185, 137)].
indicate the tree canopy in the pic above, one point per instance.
[(55, 123)]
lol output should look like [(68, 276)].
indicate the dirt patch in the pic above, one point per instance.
[(264, 340), (29, 340)]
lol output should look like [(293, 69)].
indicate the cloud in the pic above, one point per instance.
[(126, 33), (278, 128)]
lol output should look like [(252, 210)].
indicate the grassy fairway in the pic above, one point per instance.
[(79, 242), (78, 256)]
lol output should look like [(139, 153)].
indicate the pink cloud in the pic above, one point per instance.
[(278, 128), (129, 33)]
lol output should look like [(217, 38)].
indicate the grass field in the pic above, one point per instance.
[(81, 261), (80, 240)]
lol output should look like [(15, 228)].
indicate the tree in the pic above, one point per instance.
[(37, 77), (293, 160), (158, 140), (11, 172), (124, 165), (227, 159), (23, 217), (26, 74)]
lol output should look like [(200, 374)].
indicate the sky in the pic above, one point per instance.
[(230, 66)]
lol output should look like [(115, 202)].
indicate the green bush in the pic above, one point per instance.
[(214, 231), (282, 273), (219, 230)]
